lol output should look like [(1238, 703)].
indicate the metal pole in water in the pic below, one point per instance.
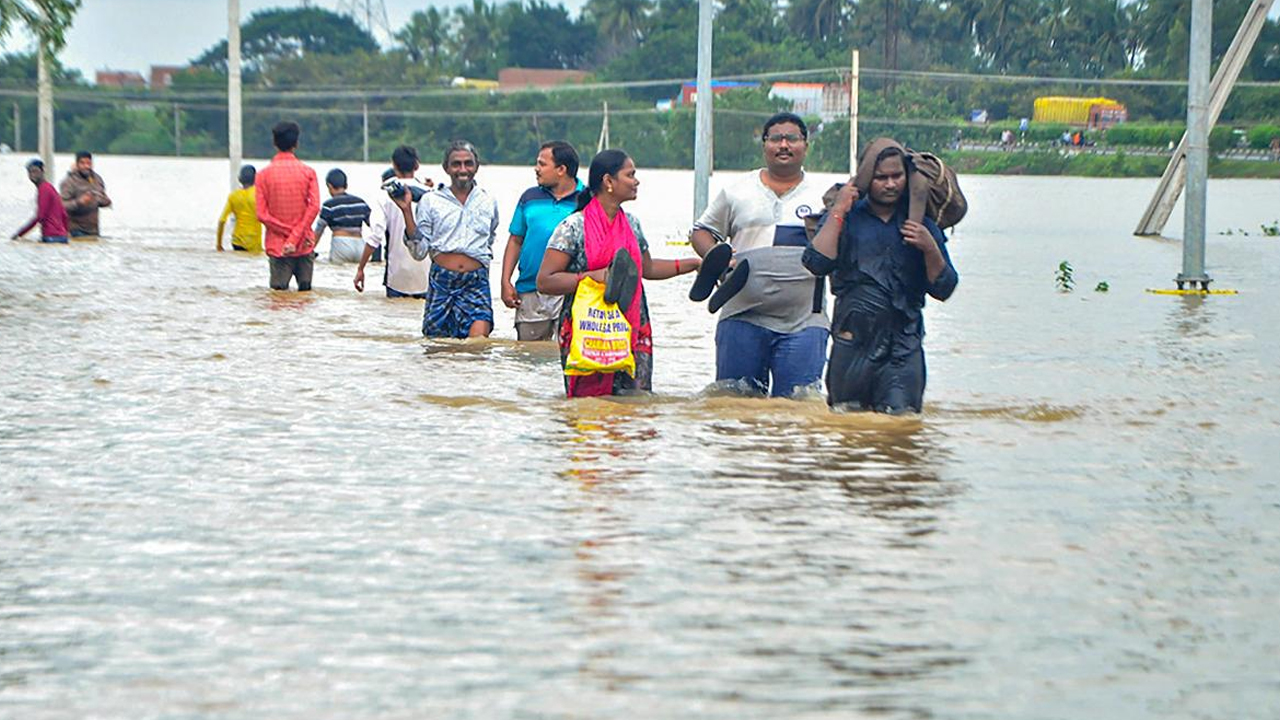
[(235, 150), (853, 115), (1197, 147), (702, 118)]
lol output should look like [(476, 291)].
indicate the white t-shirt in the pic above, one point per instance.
[(404, 273), (768, 230)]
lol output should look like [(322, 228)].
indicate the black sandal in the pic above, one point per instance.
[(731, 285), (620, 285), (713, 266)]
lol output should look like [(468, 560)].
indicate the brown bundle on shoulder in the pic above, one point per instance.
[(933, 188)]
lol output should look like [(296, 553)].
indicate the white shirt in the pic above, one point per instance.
[(404, 273), (445, 225)]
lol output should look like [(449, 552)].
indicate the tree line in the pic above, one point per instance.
[(295, 62)]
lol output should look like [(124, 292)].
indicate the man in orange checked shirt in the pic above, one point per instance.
[(288, 202)]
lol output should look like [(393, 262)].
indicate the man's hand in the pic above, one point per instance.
[(918, 237), (404, 200), (510, 297), (845, 199), (85, 199), (359, 281), (288, 248)]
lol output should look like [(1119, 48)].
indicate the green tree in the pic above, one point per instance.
[(622, 24), (47, 20), (426, 36), (542, 35), (270, 35), (478, 39)]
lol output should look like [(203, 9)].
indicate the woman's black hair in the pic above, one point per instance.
[(606, 162)]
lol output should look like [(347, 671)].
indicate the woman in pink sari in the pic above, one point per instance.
[(588, 244)]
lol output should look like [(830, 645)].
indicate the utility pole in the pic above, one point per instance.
[(853, 114), (235, 150), (44, 113), (1197, 147), (704, 99), (365, 116), (17, 128), (177, 131)]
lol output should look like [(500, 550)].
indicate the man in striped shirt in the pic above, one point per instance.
[(345, 215), (288, 202)]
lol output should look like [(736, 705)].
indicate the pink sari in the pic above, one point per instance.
[(601, 239)]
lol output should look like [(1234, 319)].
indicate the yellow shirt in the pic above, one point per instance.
[(248, 230)]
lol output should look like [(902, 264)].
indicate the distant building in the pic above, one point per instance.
[(119, 79), (514, 77), (689, 91), (162, 75), (806, 98)]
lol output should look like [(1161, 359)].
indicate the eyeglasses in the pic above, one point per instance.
[(779, 137)]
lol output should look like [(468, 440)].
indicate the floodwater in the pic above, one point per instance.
[(217, 501)]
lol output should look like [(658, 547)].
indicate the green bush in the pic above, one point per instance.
[(1260, 136)]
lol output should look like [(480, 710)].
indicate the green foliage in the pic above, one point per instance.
[(1260, 136), (1102, 287), (1272, 230), (277, 33), (1064, 277), (48, 20)]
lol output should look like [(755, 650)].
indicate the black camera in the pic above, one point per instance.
[(394, 188)]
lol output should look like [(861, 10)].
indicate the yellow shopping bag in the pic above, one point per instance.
[(601, 341)]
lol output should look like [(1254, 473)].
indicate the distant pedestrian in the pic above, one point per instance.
[(288, 198), (1275, 148), (403, 276), (455, 225), (50, 213), (242, 207), (83, 192), (540, 210), (346, 216)]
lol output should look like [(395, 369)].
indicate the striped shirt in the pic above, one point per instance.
[(343, 212), (444, 225)]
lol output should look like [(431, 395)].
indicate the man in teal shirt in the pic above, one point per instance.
[(540, 210)]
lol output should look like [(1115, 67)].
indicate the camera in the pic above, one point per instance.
[(394, 188)]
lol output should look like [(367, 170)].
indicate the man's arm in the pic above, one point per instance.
[(101, 192), (301, 236), (820, 255), (417, 230), (25, 228), (713, 226), (364, 260), (222, 222), (262, 199), (939, 272), (510, 257)]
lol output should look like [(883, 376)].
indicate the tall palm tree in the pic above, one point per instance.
[(425, 36), (478, 37), (621, 22)]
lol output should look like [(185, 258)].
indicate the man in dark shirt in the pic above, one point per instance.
[(881, 265)]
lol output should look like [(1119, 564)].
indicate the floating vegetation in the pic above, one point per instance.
[(1065, 279)]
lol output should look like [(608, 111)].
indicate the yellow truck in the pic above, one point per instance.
[(1096, 113)]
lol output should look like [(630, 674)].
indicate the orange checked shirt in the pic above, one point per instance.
[(288, 202)]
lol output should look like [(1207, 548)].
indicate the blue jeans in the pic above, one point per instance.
[(751, 353), (54, 239)]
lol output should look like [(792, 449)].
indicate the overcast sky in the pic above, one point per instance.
[(136, 34)]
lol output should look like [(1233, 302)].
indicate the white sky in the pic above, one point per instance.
[(136, 34)]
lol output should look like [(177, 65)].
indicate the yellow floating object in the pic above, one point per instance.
[(1193, 292)]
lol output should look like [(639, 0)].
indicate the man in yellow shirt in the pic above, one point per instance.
[(242, 203)]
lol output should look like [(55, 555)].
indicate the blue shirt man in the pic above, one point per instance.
[(540, 210)]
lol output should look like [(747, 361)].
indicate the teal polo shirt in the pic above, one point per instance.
[(535, 218)]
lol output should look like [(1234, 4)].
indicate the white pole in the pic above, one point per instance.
[(1197, 146), (44, 115), (17, 128), (702, 117), (365, 115), (235, 148), (853, 114), (177, 131)]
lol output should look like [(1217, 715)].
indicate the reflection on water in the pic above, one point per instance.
[(223, 501)]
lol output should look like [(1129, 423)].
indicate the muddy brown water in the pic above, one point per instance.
[(218, 501)]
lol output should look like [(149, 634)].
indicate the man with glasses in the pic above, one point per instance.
[(773, 325)]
